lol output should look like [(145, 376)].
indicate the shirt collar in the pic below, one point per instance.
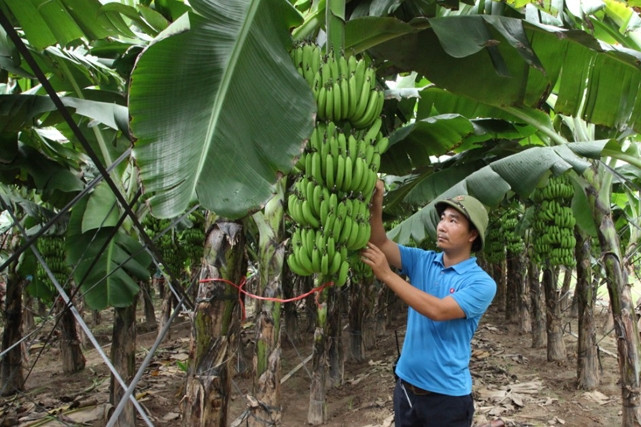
[(461, 267)]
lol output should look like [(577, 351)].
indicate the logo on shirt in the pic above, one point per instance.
[(451, 290)]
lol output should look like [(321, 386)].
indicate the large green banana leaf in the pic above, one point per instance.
[(509, 62), (217, 108), (121, 259)]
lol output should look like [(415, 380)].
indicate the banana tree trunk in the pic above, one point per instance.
[(70, 348), (317, 411), (148, 305), (123, 357), (516, 292), (496, 271), (360, 305), (336, 352), (11, 369), (565, 299), (598, 192), (536, 305), (556, 350), (290, 313), (587, 351), (516, 273), (215, 327), (267, 405)]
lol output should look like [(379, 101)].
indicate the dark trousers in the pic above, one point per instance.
[(415, 408)]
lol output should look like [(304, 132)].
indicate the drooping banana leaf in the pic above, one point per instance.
[(520, 173), (217, 108), (595, 81), (122, 260), (18, 112), (47, 23)]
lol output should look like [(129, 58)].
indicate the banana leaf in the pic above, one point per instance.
[(217, 108), (108, 262)]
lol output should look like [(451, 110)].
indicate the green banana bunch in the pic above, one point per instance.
[(52, 249), (337, 173), (554, 223), (307, 59), (345, 90)]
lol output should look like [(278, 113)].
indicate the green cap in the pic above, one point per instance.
[(473, 210)]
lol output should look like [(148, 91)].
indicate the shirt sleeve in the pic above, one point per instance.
[(475, 298)]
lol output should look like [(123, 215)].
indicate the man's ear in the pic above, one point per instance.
[(474, 234)]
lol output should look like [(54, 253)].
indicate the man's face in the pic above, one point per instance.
[(453, 230)]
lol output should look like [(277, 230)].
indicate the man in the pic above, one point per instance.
[(447, 294)]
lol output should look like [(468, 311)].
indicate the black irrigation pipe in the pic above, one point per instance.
[(20, 46)]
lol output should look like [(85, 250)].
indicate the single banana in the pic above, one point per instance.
[(344, 96), (321, 103), (316, 171), (333, 203), (310, 219), (357, 175), (341, 279), (337, 228), (369, 154), (330, 246), (316, 260), (333, 145), (346, 231), (324, 264), (364, 231), (340, 171), (317, 197), (359, 74), (352, 90), (326, 73), (329, 103), (324, 211), (329, 172), (342, 143), (352, 147), (336, 263), (315, 140), (333, 61), (324, 147), (336, 111), (351, 65), (328, 225), (353, 235), (347, 180), (343, 67), (373, 131)]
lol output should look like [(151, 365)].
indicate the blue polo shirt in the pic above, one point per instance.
[(436, 354)]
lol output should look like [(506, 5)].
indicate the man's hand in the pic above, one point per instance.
[(376, 259)]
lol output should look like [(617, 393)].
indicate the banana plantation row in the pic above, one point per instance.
[(196, 140)]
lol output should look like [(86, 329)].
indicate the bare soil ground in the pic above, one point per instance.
[(514, 383)]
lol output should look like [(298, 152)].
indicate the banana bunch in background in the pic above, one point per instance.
[(329, 200), (52, 249), (554, 223), (509, 225)]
